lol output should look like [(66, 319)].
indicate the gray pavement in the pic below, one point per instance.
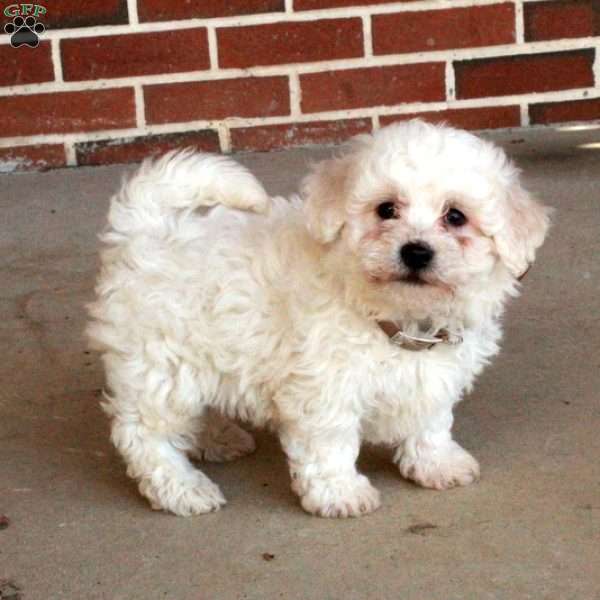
[(79, 530)]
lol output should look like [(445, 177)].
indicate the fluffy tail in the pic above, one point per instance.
[(178, 182)]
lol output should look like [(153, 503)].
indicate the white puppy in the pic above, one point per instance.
[(302, 315)]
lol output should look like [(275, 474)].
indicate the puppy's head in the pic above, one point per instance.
[(425, 211)]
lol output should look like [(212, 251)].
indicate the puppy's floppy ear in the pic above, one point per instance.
[(325, 191), (525, 225)]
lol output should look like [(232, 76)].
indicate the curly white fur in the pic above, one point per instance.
[(272, 318)]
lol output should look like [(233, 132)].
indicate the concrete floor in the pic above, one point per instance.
[(78, 529)]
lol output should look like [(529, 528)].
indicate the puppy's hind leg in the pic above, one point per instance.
[(166, 477), (153, 433), (220, 439)]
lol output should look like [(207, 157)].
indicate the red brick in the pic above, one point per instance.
[(134, 54), (32, 158), (128, 150), (492, 117), (561, 19), (563, 112), (219, 99), (316, 4), (523, 74), (67, 112), (444, 29), (377, 86), (272, 137), (19, 66), (84, 13), (279, 43), (162, 10)]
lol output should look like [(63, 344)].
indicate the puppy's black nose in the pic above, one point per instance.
[(416, 255)]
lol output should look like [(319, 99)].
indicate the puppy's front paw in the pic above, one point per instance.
[(438, 467), (340, 497), (183, 496)]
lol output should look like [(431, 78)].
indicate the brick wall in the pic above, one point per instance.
[(117, 80)]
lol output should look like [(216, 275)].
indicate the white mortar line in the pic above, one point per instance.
[(56, 62), (519, 22), (140, 108), (257, 19), (367, 35), (311, 67), (367, 112), (133, 12), (524, 110), (295, 95), (450, 81), (224, 138), (596, 67), (213, 51), (70, 154)]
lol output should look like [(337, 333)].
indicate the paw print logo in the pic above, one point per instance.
[(24, 32)]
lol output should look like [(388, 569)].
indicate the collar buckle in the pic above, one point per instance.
[(423, 341)]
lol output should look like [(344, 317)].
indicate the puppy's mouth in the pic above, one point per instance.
[(413, 278)]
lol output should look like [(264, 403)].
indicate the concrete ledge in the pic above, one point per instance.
[(77, 527)]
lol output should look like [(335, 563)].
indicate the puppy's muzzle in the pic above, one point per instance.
[(416, 255)]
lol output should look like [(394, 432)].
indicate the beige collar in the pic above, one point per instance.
[(423, 341)]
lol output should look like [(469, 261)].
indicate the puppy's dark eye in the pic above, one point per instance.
[(386, 210), (455, 218)]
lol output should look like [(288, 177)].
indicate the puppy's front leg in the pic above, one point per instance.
[(433, 459), (322, 461)]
